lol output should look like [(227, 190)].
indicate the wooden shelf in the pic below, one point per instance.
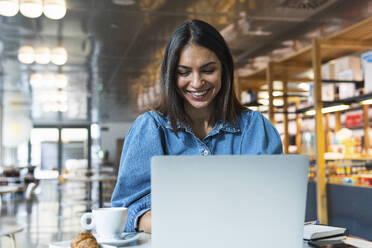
[(351, 158), (351, 40)]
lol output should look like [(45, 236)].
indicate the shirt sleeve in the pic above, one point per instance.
[(133, 187), (260, 136)]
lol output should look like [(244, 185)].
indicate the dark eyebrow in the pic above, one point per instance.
[(203, 66)]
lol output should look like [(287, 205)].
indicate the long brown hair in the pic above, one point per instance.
[(227, 106)]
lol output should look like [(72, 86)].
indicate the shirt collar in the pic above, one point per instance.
[(227, 127), (219, 126)]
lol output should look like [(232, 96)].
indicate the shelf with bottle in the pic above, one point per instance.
[(356, 174)]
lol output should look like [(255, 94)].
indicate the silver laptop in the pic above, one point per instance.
[(228, 201)]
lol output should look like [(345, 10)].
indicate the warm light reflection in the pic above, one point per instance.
[(60, 81), (9, 7), (329, 109), (254, 108), (366, 102), (263, 101), (48, 80), (278, 102), (42, 55), (59, 56), (304, 86), (277, 93), (31, 8), (54, 9), (37, 80), (26, 54)]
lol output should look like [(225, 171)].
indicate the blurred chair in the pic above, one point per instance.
[(29, 191), (10, 233)]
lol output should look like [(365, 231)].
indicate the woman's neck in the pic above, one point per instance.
[(202, 120), (205, 115)]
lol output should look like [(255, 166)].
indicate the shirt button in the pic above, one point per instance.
[(205, 153)]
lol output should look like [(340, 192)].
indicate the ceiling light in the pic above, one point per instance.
[(304, 86), (278, 102), (31, 8), (37, 80), (263, 95), (254, 108), (42, 55), (263, 101), (49, 80), (277, 93), (55, 9), (310, 112), (60, 81), (26, 55), (59, 56), (9, 7), (335, 108), (366, 102), (329, 109)]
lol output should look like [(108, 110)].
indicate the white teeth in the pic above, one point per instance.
[(199, 93)]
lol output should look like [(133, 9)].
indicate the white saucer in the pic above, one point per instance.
[(118, 242)]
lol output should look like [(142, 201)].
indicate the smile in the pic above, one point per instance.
[(198, 93)]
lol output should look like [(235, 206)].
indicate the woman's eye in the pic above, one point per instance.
[(208, 71), (183, 73)]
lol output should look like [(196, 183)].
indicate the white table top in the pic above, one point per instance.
[(94, 178), (145, 242), (9, 189)]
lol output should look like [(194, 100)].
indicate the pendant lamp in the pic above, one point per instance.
[(59, 56), (9, 7), (61, 81), (31, 8), (42, 55), (54, 9), (26, 55)]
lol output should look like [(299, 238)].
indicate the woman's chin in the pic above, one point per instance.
[(199, 105)]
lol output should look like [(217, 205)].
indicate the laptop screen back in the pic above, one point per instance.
[(228, 201)]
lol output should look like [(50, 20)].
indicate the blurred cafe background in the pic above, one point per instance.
[(74, 74)]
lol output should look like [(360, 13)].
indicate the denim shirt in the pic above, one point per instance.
[(152, 134)]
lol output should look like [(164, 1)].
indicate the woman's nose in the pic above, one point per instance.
[(197, 81)]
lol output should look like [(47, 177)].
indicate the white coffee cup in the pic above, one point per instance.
[(108, 222)]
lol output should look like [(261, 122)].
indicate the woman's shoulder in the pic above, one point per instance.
[(252, 117), (154, 117), (248, 115)]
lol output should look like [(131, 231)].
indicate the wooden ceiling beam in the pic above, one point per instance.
[(346, 44), (260, 82), (288, 90), (298, 65), (257, 89)]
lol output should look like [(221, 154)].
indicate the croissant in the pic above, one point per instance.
[(84, 240)]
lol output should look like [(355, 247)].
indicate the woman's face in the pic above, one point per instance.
[(198, 76)]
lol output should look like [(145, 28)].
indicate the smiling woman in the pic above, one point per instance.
[(198, 82), (197, 51), (198, 114)]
